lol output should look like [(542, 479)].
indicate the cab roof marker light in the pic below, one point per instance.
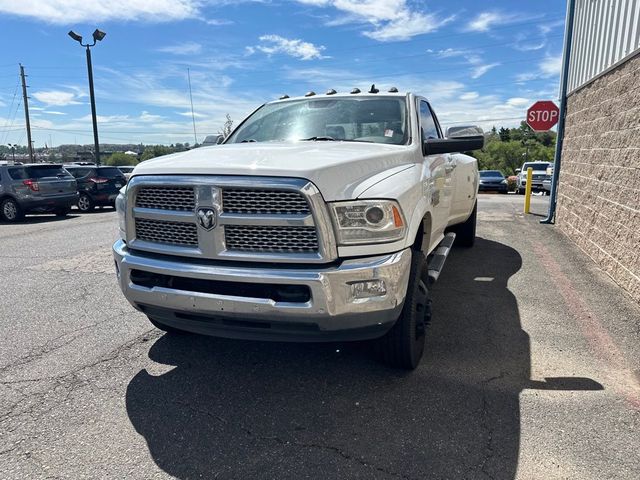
[(310, 94), (331, 92), (393, 90), (373, 89), (284, 97), (355, 90)]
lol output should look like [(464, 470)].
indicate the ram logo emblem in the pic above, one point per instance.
[(206, 218)]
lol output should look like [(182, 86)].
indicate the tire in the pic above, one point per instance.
[(62, 212), (166, 328), (403, 345), (10, 211), (85, 203), (466, 232)]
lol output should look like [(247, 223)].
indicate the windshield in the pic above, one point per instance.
[(491, 173), (535, 166), (376, 120)]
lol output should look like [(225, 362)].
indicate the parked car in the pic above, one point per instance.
[(35, 188), (539, 175), (546, 183), (126, 170), (248, 241), (492, 181), (97, 186)]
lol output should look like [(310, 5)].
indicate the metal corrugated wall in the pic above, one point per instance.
[(604, 32)]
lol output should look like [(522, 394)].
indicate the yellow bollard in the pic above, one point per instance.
[(527, 190)]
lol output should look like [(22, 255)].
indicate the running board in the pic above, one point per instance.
[(439, 257)]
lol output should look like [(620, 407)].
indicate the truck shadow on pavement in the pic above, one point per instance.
[(232, 409)]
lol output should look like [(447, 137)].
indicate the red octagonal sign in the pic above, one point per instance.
[(542, 115)]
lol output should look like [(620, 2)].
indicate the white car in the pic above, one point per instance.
[(320, 218), (539, 175)]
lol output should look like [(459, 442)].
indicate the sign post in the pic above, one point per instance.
[(542, 115)]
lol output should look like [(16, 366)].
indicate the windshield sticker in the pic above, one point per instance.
[(388, 133)]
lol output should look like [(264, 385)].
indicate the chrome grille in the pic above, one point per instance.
[(166, 198), (172, 233), (263, 202), (277, 239)]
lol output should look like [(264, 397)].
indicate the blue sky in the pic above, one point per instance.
[(478, 62)]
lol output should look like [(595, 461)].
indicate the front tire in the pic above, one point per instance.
[(10, 211), (403, 345), (85, 203)]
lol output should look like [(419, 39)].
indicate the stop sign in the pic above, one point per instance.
[(542, 115)]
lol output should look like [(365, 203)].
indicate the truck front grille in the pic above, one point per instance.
[(278, 239), (166, 198), (171, 233), (263, 202)]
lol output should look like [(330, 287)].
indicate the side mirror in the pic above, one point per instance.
[(433, 146), (220, 139), (518, 170)]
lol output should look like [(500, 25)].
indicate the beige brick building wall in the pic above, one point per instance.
[(599, 190)]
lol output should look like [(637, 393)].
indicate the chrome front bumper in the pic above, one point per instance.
[(330, 314)]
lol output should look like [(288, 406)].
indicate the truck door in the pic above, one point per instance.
[(438, 172)]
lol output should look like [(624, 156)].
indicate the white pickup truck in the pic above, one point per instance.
[(320, 218)]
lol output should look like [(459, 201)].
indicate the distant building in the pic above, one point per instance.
[(599, 190)]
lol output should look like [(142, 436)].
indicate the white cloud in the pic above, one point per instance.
[(106, 118), (195, 114), (391, 20), (452, 52), (67, 12), (185, 48), (479, 70), (469, 96), (218, 22), (55, 97), (53, 112), (518, 102), (486, 20), (551, 66), (149, 117), (273, 44)]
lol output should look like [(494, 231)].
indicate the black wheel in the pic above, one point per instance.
[(403, 345), (10, 211), (62, 212), (85, 203), (466, 232), (166, 328)]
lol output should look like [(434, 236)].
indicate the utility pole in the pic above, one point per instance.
[(25, 100)]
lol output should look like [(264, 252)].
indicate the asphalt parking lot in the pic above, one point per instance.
[(532, 371)]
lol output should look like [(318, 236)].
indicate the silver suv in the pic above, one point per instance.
[(35, 188)]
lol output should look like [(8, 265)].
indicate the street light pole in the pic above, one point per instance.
[(94, 118), (97, 36)]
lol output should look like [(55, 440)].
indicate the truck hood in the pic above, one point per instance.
[(341, 170)]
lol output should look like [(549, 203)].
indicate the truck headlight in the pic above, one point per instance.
[(368, 221), (121, 208)]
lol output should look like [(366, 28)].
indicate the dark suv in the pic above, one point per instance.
[(97, 186), (35, 188)]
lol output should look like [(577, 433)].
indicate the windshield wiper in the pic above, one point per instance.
[(250, 140), (318, 139)]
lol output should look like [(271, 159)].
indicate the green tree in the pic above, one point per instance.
[(119, 158)]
